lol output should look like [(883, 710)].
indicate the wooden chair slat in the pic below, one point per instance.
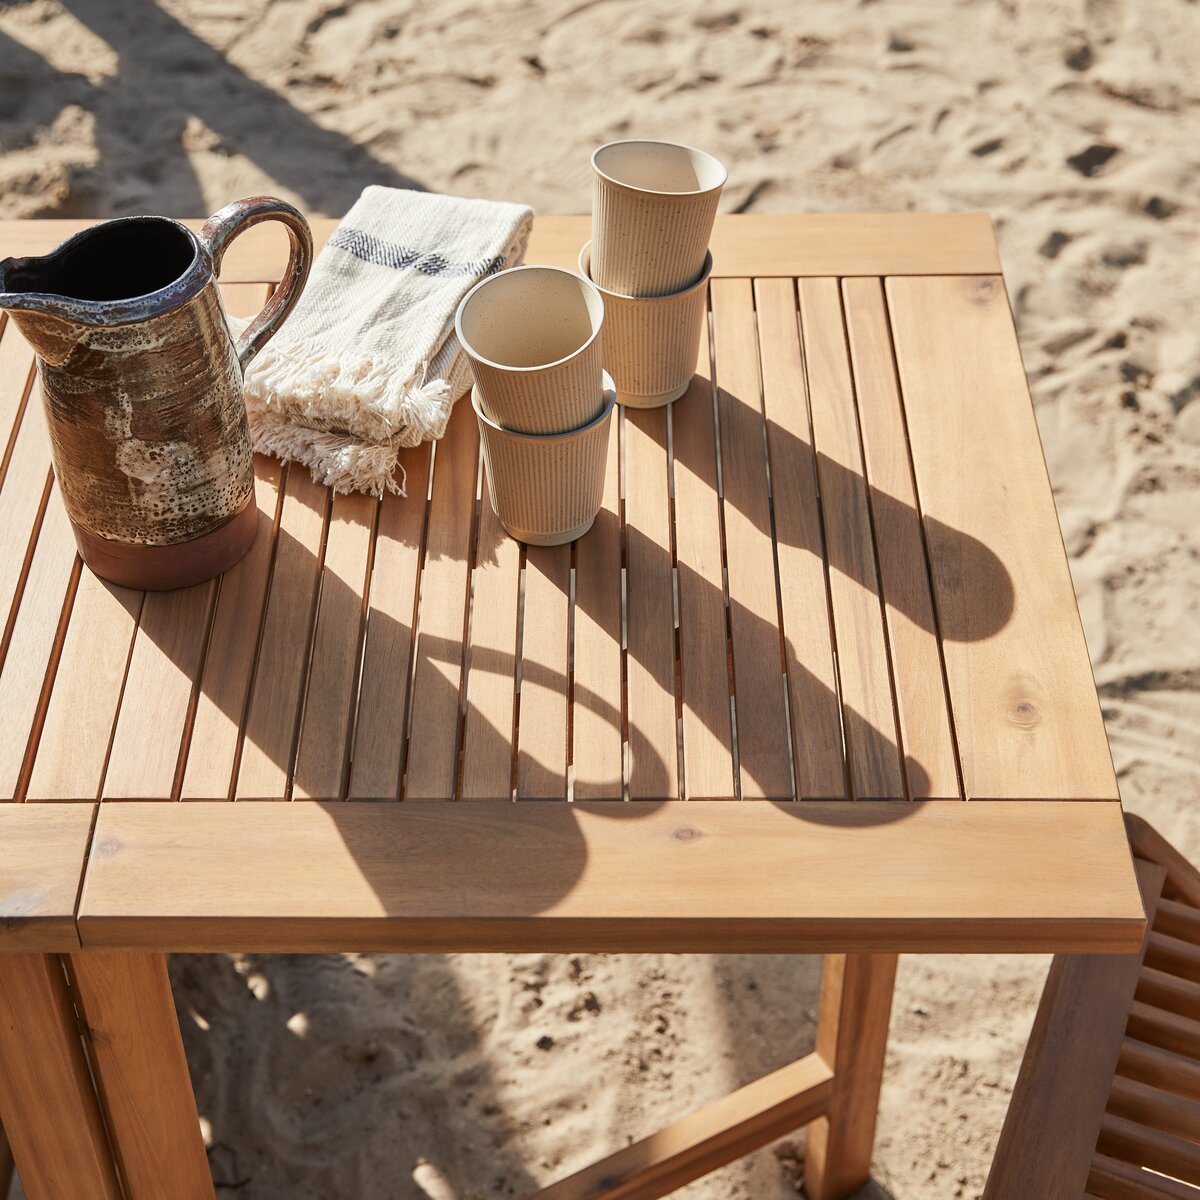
[(597, 733), (1169, 992), (1025, 707), (764, 765), (868, 710), (816, 719), (381, 719), (1147, 1105), (1145, 1146), (1166, 1029), (1178, 919), (432, 763), (1112, 1179), (931, 768), (1174, 955), (1160, 1068), (650, 617), (703, 630)]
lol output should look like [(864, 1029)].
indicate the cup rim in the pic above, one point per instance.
[(585, 267), (608, 391), (464, 342), (641, 191)]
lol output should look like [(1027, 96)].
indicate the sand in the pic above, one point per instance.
[(1073, 121)]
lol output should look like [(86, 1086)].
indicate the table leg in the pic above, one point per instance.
[(47, 1104), (142, 1074), (856, 1002)]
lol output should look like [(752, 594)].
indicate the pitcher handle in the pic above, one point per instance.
[(221, 228)]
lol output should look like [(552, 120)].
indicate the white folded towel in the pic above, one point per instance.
[(368, 361)]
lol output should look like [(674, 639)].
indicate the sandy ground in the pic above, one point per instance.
[(1073, 121)]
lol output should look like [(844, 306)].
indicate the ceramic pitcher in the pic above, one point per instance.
[(142, 387)]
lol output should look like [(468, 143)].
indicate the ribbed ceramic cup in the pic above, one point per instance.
[(653, 205), (651, 343), (546, 489), (533, 337)]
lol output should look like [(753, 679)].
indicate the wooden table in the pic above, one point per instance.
[(815, 681)]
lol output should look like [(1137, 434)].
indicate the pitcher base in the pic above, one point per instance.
[(159, 568)]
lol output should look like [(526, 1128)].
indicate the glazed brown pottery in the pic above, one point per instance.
[(142, 387)]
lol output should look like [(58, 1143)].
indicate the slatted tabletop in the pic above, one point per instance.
[(830, 577)]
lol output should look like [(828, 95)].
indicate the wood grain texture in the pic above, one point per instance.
[(1160, 1068), (703, 635), (73, 747), (34, 644), (868, 713), (764, 766), (650, 613), (42, 852), (1161, 1152), (382, 716), (156, 705), (232, 649), (702, 1141), (492, 677), (545, 645), (47, 1104), (142, 1075), (755, 244), (800, 548), (1024, 702), (269, 736), (917, 673), (1111, 1179), (322, 757), (438, 664), (1049, 1136), (596, 710), (856, 1002), (683, 876)]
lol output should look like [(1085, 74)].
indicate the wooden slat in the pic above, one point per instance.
[(703, 637), (650, 609), (868, 714), (751, 244), (268, 741), (492, 676), (42, 851), (596, 693), (323, 754), (764, 767), (1146, 1105), (1179, 920), (437, 668), (852, 1031), (156, 703), (1162, 1152), (697, 876), (73, 747), (47, 1103), (1166, 1029), (1169, 992), (701, 1142), (800, 549), (1160, 1068), (1183, 879), (1049, 1136), (1174, 956), (34, 643), (1112, 1179), (1025, 706), (232, 647), (542, 728), (382, 716), (16, 378), (917, 671), (142, 1074)]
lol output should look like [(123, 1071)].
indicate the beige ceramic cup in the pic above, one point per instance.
[(546, 489), (651, 343), (653, 206), (533, 338)]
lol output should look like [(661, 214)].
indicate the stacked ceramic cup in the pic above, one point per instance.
[(541, 397), (652, 216)]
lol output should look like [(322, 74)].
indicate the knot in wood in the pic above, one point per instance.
[(109, 845), (686, 833), (1025, 714)]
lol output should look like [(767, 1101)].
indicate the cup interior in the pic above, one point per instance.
[(659, 167), (529, 317)]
